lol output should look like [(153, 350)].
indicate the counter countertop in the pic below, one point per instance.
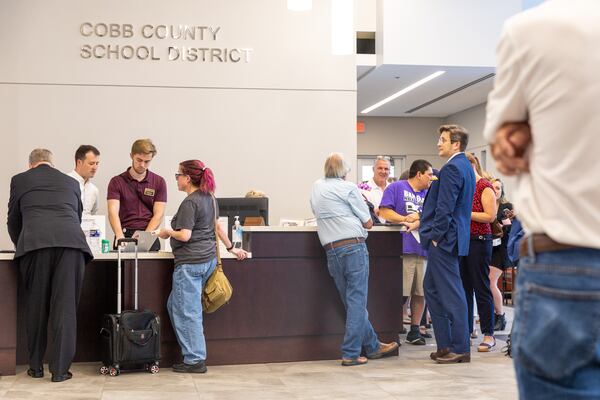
[(224, 254), (129, 256), (376, 228)]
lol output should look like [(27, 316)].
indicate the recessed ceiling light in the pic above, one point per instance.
[(403, 91)]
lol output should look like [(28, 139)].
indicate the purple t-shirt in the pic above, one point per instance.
[(400, 197), (132, 212)]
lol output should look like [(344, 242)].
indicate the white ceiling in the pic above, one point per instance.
[(376, 83)]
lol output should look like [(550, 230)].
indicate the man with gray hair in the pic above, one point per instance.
[(372, 190), (44, 217), (342, 219)]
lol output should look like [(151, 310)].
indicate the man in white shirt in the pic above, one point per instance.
[(87, 159), (542, 121), (373, 189)]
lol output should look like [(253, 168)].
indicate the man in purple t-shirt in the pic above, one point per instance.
[(137, 197), (403, 202)]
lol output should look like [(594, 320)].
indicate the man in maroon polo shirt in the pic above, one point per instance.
[(137, 197)]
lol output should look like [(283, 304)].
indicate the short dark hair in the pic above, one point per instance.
[(83, 150), (418, 166), (457, 134)]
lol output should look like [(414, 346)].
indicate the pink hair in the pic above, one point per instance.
[(199, 174)]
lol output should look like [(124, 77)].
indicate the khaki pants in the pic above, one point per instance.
[(413, 273)]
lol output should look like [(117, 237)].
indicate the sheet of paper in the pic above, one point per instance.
[(416, 236)]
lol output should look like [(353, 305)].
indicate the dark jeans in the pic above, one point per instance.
[(474, 273)]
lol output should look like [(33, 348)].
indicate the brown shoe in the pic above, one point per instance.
[(385, 349), (440, 353), (454, 358)]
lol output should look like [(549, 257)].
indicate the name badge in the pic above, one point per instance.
[(149, 192)]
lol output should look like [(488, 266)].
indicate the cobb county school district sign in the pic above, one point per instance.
[(191, 51)]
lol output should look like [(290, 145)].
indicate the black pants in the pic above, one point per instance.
[(52, 280), (129, 232), (474, 273)]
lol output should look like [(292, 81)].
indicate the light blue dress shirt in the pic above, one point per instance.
[(340, 210)]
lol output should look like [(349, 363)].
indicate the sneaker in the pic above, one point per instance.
[(423, 331), (414, 337), (198, 368)]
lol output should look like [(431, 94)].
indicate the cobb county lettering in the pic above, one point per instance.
[(151, 52)]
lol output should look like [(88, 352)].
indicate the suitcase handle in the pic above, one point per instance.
[(127, 240)]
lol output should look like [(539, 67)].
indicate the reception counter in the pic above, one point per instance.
[(285, 306)]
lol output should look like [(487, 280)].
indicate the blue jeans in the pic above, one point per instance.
[(349, 268), (556, 333), (185, 308)]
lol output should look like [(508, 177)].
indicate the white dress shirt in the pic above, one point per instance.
[(89, 194), (548, 74)]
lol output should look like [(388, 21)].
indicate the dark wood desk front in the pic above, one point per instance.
[(285, 305)]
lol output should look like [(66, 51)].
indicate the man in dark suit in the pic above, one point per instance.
[(445, 234), (44, 223)]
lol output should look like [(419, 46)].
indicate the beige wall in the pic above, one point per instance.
[(268, 124), (413, 137), (473, 119), (417, 137)]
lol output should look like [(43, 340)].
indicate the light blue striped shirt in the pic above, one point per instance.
[(340, 210)]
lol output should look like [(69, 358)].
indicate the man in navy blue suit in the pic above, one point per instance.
[(445, 234)]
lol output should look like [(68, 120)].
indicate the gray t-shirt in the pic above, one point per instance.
[(196, 213)]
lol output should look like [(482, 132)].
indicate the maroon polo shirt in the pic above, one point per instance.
[(135, 212)]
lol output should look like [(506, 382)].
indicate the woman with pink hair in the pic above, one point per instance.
[(194, 245)]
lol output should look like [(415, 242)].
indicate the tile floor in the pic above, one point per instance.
[(412, 375)]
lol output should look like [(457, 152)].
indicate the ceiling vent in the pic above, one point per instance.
[(450, 93)]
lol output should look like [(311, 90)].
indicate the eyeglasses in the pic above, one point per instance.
[(177, 175)]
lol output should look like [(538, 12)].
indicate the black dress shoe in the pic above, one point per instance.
[(454, 358), (198, 368), (62, 378), (440, 353), (36, 372)]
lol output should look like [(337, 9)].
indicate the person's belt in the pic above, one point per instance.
[(485, 236), (542, 243), (343, 242)]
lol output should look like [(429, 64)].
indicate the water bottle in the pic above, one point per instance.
[(236, 233), (94, 242)]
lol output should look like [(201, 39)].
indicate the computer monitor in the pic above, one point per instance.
[(243, 207)]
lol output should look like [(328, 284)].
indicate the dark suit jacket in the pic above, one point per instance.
[(447, 209), (44, 210)]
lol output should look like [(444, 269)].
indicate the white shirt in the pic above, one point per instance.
[(548, 74), (89, 194), (375, 194)]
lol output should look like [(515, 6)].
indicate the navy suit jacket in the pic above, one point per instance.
[(447, 209), (44, 210)]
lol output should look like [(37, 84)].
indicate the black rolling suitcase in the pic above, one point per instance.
[(129, 338)]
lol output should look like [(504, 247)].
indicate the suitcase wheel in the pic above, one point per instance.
[(104, 370), (114, 371), (154, 369)]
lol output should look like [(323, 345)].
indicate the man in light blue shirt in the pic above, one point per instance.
[(342, 219)]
